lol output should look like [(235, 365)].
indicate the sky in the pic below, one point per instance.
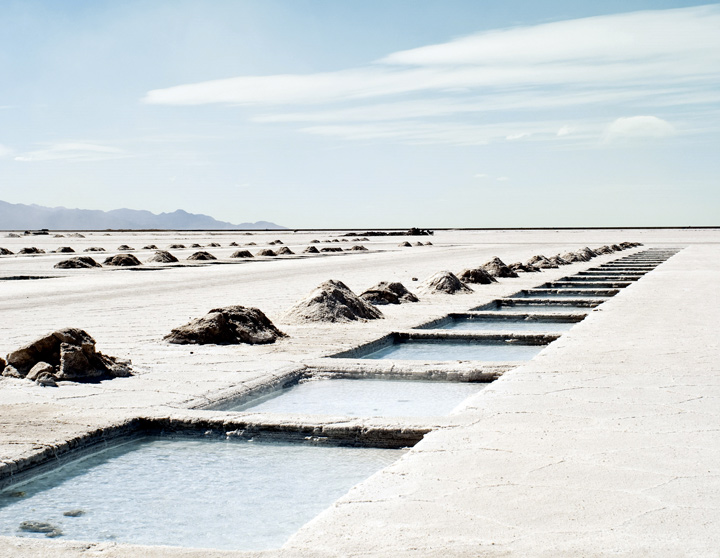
[(366, 113)]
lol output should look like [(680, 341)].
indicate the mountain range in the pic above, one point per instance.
[(17, 216)]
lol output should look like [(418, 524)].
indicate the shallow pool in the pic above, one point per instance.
[(365, 398), (479, 324), (191, 492), (520, 308), (454, 349)]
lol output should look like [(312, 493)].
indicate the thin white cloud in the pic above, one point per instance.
[(639, 127), (481, 176), (564, 131), (616, 50), (81, 152)]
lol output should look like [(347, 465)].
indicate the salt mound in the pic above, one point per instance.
[(266, 252), (66, 354), (81, 262), (227, 326), (176, 246), (64, 250), (195, 245), (202, 256), (76, 235), (525, 268), (150, 247), (94, 249), (603, 250), (574, 257), (250, 244), (213, 245), (541, 262), (497, 268), (479, 276), (58, 236), (358, 248), (274, 242), (419, 244), (5, 252), (311, 250), (233, 244), (331, 249), (332, 301), (388, 293), (588, 252), (124, 247), (558, 260), (162, 256), (31, 250), (444, 282), (285, 251), (12, 235), (404, 244), (616, 248), (122, 260), (241, 254)]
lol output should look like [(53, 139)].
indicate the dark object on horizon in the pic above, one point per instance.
[(412, 232)]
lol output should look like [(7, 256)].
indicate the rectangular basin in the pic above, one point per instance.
[(530, 306), (364, 398), (448, 349), (503, 322), (565, 293), (188, 491)]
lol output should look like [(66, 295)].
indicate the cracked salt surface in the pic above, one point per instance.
[(191, 492)]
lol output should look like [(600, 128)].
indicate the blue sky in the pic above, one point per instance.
[(366, 113)]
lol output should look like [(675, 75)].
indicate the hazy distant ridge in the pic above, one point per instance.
[(20, 216)]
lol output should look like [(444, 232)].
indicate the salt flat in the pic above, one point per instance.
[(605, 443)]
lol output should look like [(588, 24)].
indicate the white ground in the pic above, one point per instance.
[(606, 443)]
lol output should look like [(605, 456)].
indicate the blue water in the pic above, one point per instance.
[(451, 349), (366, 398), (479, 324), (191, 492)]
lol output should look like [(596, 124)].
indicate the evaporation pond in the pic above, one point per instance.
[(223, 494), (454, 349), (366, 398), (521, 308), (478, 324)]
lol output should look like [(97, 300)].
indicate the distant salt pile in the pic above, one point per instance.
[(250, 244), (241, 254), (616, 248), (122, 260), (94, 249), (162, 256), (124, 248), (573, 257), (405, 245), (201, 256), (64, 250), (6, 252), (76, 235), (419, 244), (311, 250), (519, 267), (81, 262), (444, 282), (31, 250), (233, 244), (559, 260), (66, 354), (587, 252), (176, 247), (332, 301), (388, 293), (274, 242), (150, 247), (285, 251), (358, 248), (315, 241), (497, 268), (334, 240), (541, 262), (331, 249), (603, 250), (428, 244), (266, 252), (195, 245), (58, 236), (478, 276), (230, 325), (213, 245), (12, 235)]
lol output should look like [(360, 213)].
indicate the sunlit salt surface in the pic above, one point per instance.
[(366, 398), (478, 324), (191, 492), (453, 349)]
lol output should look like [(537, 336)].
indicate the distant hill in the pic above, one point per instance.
[(17, 216)]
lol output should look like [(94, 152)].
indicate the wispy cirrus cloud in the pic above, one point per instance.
[(638, 127), (74, 152), (414, 95)]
